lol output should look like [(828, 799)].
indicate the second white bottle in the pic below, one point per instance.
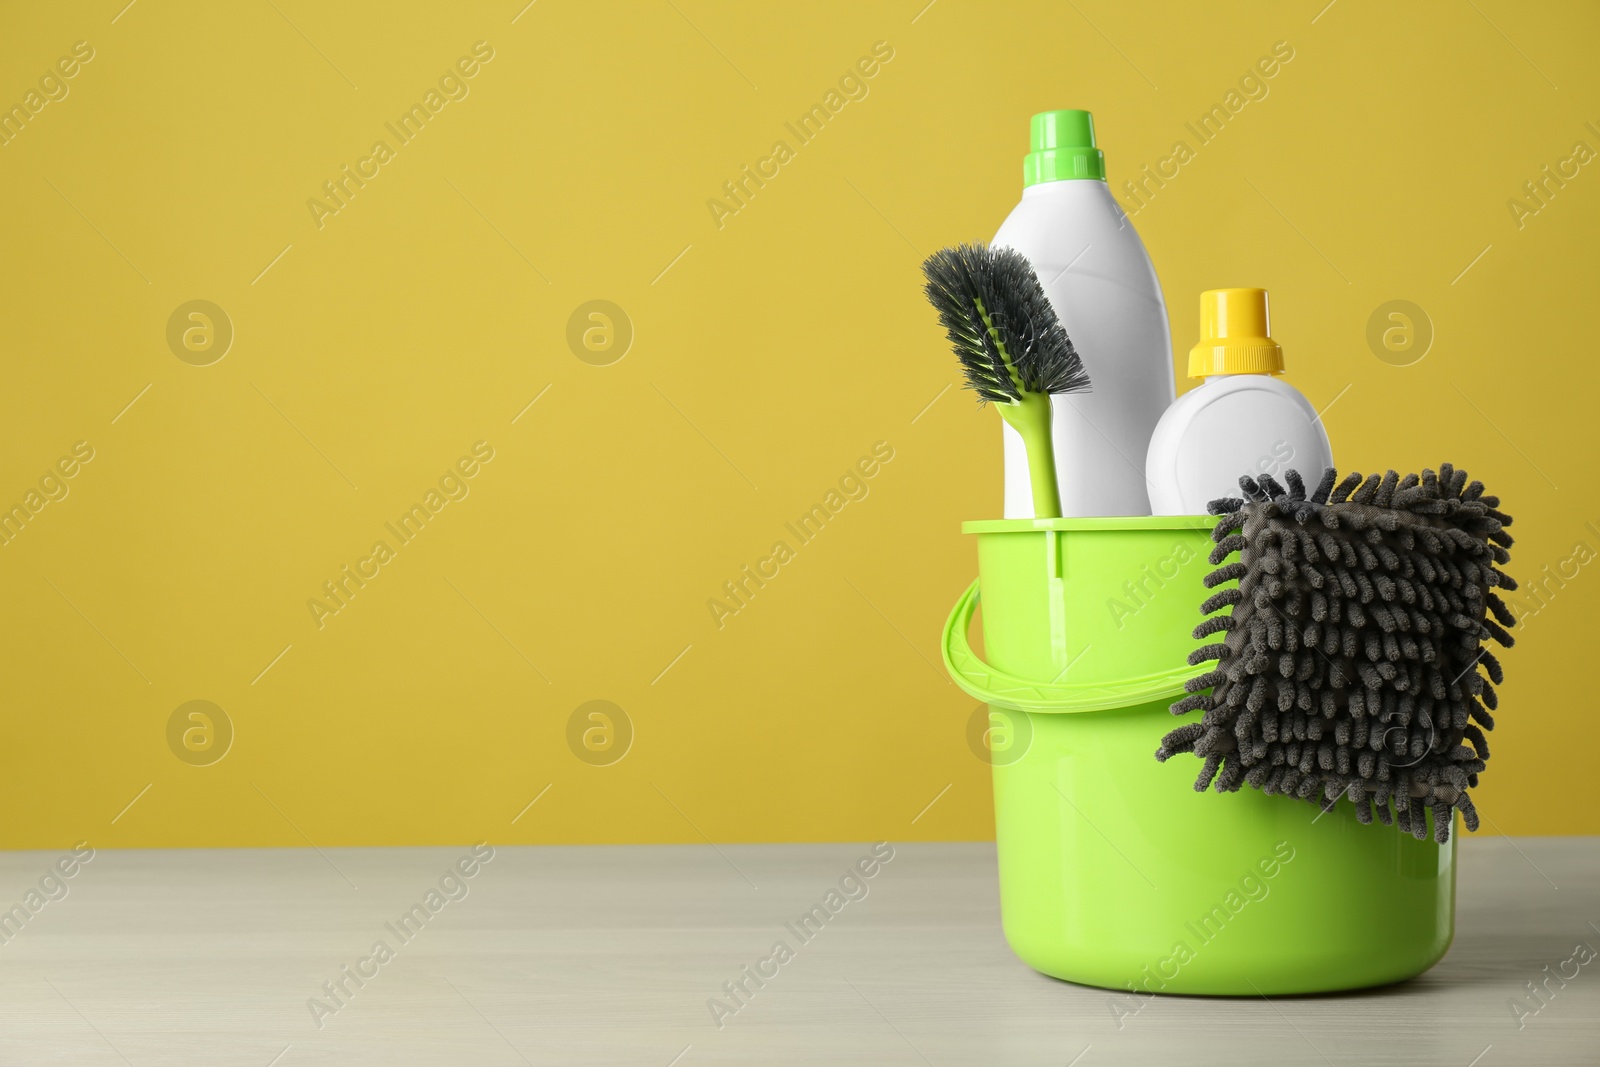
[(1242, 419)]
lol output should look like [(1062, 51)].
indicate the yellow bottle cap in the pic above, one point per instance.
[(1235, 335)]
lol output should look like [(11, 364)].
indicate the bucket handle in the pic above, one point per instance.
[(999, 689)]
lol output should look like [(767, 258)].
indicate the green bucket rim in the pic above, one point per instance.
[(1000, 689), (1102, 522)]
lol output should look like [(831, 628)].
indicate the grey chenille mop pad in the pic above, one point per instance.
[(1352, 644)]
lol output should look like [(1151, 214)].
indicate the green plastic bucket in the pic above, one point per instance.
[(1114, 872)]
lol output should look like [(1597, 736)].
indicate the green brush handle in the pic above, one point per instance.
[(1031, 416)]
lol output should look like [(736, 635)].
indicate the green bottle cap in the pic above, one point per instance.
[(1063, 148)]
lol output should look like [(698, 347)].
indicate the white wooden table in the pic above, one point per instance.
[(609, 955)]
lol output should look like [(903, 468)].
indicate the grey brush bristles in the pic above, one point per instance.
[(1001, 325), (1349, 665)]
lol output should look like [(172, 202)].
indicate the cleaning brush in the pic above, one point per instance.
[(1351, 644), (1013, 349)]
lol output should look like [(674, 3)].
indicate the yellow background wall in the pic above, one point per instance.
[(772, 348)]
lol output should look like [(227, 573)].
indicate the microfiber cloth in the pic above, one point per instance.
[(1352, 644)]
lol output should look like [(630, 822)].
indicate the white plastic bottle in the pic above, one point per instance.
[(1099, 279), (1240, 420)]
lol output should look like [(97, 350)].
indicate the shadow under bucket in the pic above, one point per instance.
[(1114, 872)]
